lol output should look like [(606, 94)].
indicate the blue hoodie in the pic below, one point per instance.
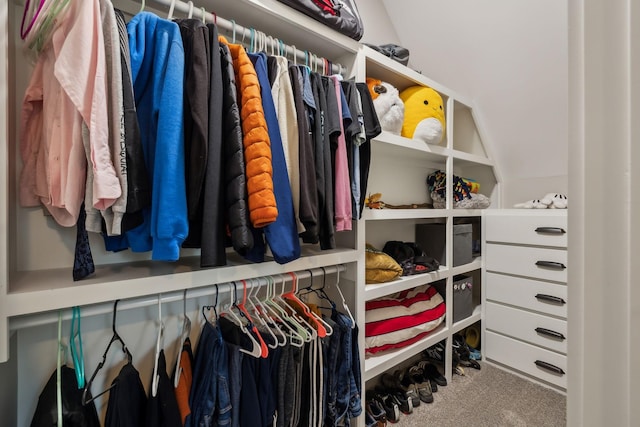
[(157, 72), (282, 235)]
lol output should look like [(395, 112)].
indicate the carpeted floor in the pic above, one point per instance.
[(490, 397)]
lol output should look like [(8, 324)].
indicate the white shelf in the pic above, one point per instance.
[(391, 214), (461, 156), (476, 315), (375, 365), (436, 152), (476, 264), (377, 290)]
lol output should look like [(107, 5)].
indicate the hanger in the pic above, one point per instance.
[(114, 338), (291, 297), (243, 310), (171, 7), (257, 315), (75, 343), (273, 324), (190, 14), (60, 350), (156, 377), (204, 17), (344, 302), (142, 6), (256, 350), (302, 326), (186, 332), (278, 312), (24, 32), (211, 307), (322, 294)]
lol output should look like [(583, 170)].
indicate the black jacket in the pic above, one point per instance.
[(233, 152)]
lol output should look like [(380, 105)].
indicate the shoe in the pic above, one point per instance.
[(435, 353), (390, 406), (434, 386), (397, 383), (405, 404), (474, 354), (463, 351), (432, 373), (410, 388), (422, 384), (374, 414)]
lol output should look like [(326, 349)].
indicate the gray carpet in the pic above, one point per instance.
[(490, 397)]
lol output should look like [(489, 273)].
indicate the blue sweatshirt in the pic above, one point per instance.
[(282, 235), (157, 72)]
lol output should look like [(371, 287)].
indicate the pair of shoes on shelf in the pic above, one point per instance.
[(384, 402), (406, 395), (431, 372), (463, 351), (375, 415), (422, 383)]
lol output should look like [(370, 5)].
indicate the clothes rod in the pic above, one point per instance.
[(261, 40), (50, 317)]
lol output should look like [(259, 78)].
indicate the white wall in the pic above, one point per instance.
[(510, 58)]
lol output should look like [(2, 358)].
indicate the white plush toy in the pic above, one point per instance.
[(549, 201), (389, 107)]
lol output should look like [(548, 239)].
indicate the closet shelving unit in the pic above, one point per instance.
[(399, 169), (36, 255)]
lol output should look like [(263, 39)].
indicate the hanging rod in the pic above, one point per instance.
[(49, 317), (260, 39)]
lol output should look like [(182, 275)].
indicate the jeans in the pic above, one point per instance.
[(331, 349), (348, 402), (210, 400), (235, 381)]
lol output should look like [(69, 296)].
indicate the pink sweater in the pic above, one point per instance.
[(67, 88), (342, 191)]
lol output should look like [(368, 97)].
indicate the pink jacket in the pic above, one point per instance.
[(67, 88)]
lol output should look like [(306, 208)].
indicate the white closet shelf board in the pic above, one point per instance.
[(461, 157), (429, 152), (476, 315), (400, 76), (279, 20), (391, 214), (377, 290), (375, 365), (476, 264), (457, 213), (45, 290)]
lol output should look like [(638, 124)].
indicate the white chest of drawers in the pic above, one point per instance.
[(525, 298)]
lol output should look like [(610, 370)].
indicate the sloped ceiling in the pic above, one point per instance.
[(511, 59)]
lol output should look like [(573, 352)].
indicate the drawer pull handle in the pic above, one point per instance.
[(551, 298), (550, 230), (551, 264), (549, 367), (550, 333)]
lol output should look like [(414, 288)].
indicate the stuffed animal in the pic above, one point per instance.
[(549, 201), (423, 114), (389, 107)]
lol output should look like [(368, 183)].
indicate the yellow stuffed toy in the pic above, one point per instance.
[(423, 114)]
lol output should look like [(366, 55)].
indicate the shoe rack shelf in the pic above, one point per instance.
[(399, 168)]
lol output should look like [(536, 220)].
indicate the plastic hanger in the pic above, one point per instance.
[(256, 350), (344, 302), (260, 319), (75, 343), (213, 307), (171, 7), (278, 313), (204, 16), (297, 329), (291, 297), (114, 338), (142, 6), (186, 332), (303, 327), (190, 14), (241, 306), (59, 352), (159, 341), (322, 294), (24, 32)]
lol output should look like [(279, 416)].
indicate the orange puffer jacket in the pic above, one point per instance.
[(257, 149)]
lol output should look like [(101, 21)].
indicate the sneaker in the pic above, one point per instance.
[(422, 384), (390, 406), (396, 384), (431, 372), (374, 414), (435, 353)]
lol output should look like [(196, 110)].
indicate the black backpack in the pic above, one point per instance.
[(341, 15)]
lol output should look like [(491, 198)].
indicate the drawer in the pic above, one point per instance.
[(527, 261), (534, 328), (544, 297), (523, 357), (541, 229)]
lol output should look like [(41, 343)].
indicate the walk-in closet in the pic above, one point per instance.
[(318, 213)]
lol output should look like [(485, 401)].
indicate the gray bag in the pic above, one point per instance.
[(341, 15)]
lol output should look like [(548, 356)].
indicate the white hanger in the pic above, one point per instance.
[(190, 14), (256, 350), (186, 331), (204, 17), (307, 326), (298, 335), (171, 7), (156, 377), (260, 319), (279, 314), (142, 6), (344, 302)]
